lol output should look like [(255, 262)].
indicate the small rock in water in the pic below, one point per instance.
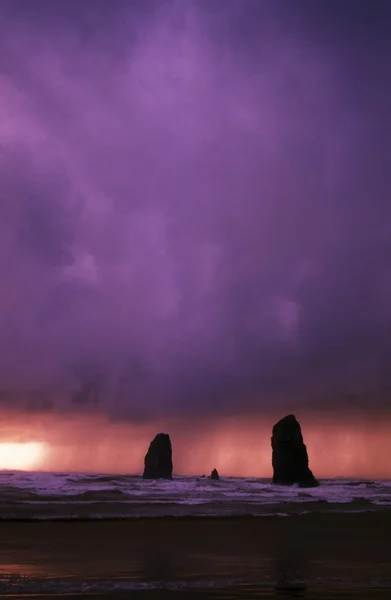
[(214, 475), (158, 460), (289, 457)]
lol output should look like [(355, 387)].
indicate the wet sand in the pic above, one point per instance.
[(302, 556)]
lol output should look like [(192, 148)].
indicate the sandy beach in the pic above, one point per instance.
[(312, 555)]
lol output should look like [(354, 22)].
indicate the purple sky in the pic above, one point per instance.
[(195, 202)]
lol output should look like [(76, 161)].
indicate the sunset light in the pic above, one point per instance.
[(195, 315), (24, 456)]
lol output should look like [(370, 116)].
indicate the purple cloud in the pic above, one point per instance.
[(194, 209)]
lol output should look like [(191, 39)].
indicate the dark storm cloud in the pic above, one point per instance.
[(194, 201)]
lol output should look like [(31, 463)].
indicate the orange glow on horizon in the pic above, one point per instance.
[(357, 446), (21, 456)]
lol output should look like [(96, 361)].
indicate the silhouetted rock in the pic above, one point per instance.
[(214, 474), (290, 458), (158, 459)]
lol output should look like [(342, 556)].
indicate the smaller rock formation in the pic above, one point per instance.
[(214, 475), (289, 457), (158, 459)]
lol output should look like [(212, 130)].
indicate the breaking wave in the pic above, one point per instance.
[(44, 495)]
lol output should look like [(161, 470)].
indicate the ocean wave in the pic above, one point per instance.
[(15, 584), (68, 495), (20, 584)]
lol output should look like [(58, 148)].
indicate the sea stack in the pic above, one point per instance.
[(289, 457), (158, 459), (214, 475)]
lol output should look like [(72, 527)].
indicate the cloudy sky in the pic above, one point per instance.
[(195, 206)]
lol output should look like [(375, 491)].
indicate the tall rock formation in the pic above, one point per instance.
[(214, 475), (289, 457), (158, 459)]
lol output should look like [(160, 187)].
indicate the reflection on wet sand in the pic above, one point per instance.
[(318, 556), (291, 576), (292, 565)]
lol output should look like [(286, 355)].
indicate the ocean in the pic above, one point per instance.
[(107, 536), (43, 495)]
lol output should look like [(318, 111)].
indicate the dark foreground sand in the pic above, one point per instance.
[(301, 556)]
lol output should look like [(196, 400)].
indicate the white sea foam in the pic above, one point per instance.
[(231, 495)]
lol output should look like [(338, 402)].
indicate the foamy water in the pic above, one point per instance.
[(44, 495)]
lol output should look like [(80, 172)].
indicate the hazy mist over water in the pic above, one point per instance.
[(239, 445)]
